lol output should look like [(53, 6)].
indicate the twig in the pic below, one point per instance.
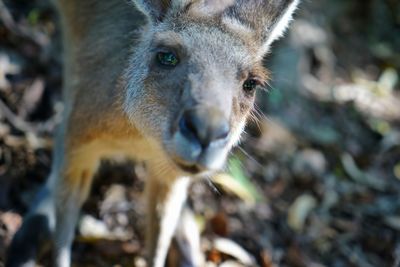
[(37, 37), (14, 119), (22, 125)]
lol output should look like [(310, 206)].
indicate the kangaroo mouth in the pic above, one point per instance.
[(209, 159), (192, 169), (207, 162)]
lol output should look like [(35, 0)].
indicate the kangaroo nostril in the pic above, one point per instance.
[(203, 126), (187, 127)]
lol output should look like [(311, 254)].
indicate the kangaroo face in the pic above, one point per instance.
[(199, 74)]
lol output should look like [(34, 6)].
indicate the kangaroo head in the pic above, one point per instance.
[(192, 79)]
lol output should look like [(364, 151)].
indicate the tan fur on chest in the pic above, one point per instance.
[(86, 158)]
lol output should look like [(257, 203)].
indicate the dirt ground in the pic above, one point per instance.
[(315, 182)]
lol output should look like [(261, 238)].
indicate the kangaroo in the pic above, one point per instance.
[(168, 82)]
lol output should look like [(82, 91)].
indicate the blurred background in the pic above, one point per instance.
[(315, 182)]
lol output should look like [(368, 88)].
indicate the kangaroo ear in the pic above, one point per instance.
[(267, 18), (155, 10)]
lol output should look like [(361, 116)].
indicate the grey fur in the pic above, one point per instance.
[(119, 100)]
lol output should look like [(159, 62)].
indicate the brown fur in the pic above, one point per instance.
[(119, 100)]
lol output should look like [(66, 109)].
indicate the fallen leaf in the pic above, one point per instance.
[(238, 183), (228, 247), (266, 259), (397, 170), (393, 222), (299, 211), (214, 256), (231, 263), (219, 224)]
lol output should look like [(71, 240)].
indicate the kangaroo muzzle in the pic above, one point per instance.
[(204, 126), (201, 137)]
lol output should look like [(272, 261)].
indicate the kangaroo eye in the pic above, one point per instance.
[(167, 59), (250, 85)]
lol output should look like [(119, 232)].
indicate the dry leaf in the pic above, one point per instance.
[(299, 211)]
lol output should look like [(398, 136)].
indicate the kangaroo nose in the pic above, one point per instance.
[(204, 126)]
